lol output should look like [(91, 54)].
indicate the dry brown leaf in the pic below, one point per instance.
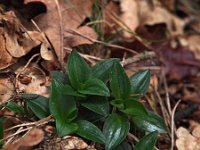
[(74, 40), (6, 89), (186, 140), (130, 15), (73, 14), (45, 49), (157, 14), (32, 138), (194, 45), (18, 42), (72, 142), (5, 58)]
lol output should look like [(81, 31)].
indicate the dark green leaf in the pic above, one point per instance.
[(64, 128), (86, 114), (63, 108), (90, 131), (150, 122), (38, 104), (67, 89), (120, 84), (94, 87), (97, 104), (134, 108), (102, 69), (140, 83), (78, 70), (1, 131), (124, 146), (60, 76), (15, 108), (119, 103), (148, 142), (115, 130)]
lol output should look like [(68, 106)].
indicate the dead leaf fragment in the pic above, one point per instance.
[(130, 15), (6, 89), (32, 138), (5, 58), (73, 13), (187, 141), (18, 42)]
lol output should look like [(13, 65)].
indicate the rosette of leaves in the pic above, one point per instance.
[(100, 103)]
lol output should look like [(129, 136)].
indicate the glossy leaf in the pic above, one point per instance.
[(97, 104), (67, 89), (140, 83), (39, 106), (115, 130), (15, 108), (148, 142), (60, 76), (1, 131), (150, 122), (65, 128), (78, 70), (90, 131), (102, 69), (86, 114), (120, 84), (94, 87), (124, 146), (119, 103), (134, 108), (63, 108)]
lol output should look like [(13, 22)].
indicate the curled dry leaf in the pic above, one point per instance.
[(6, 89), (186, 140), (73, 13), (72, 142), (5, 58), (130, 15), (156, 14), (32, 138), (18, 42), (45, 49)]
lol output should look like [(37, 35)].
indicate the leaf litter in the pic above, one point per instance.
[(144, 26)]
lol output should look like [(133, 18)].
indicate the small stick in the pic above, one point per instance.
[(173, 124), (101, 42), (138, 57)]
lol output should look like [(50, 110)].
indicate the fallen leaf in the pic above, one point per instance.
[(73, 13), (156, 14), (32, 138), (186, 140), (18, 42), (6, 89), (130, 15), (5, 58)]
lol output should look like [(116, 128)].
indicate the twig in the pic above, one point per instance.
[(16, 133), (61, 56), (173, 124), (138, 57), (100, 42), (167, 94), (164, 111)]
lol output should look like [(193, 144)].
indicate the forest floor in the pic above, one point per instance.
[(36, 37)]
